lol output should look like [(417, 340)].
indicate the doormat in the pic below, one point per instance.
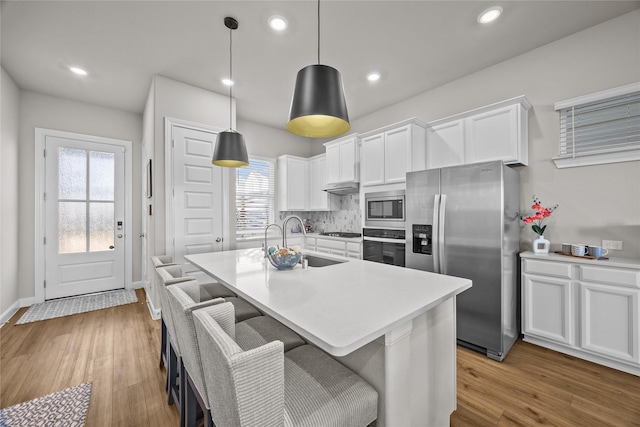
[(82, 304), (64, 408)]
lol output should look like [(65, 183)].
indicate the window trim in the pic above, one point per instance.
[(604, 156), (273, 162)]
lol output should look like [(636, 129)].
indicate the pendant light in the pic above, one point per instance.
[(230, 151), (318, 108)]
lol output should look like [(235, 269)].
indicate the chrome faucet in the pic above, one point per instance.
[(264, 248), (284, 228)]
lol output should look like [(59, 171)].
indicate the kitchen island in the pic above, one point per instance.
[(394, 326)]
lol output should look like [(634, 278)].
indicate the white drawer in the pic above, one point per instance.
[(353, 247), (546, 268), (330, 244), (613, 276)]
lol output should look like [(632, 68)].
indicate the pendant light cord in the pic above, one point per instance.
[(230, 76), (318, 32)]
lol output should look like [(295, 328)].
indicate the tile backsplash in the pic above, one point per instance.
[(347, 219)]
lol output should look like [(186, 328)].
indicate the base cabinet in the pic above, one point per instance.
[(609, 321), (335, 246), (548, 312), (585, 308)]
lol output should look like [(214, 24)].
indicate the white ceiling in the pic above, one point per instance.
[(415, 45)]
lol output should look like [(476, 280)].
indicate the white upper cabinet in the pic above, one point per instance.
[(301, 182), (320, 200), (293, 178), (373, 159), (445, 144), (390, 152), (342, 160), (495, 132)]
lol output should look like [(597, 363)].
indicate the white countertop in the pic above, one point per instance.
[(340, 307), (611, 262)]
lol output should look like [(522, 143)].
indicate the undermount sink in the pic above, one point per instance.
[(318, 261)]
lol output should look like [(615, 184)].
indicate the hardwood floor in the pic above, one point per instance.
[(535, 386), (116, 349)]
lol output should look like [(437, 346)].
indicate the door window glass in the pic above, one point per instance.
[(86, 200)]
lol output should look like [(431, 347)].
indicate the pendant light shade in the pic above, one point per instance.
[(318, 107), (230, 151)]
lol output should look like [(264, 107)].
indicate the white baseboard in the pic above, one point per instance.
[(27, 302), (9, 312), (137, 285), (154, 312)]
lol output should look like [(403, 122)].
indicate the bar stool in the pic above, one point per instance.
[(254, 331), (265, 386), (162, 261)]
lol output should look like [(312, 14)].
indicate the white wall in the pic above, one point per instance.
[(37, 110), (177, 100), (266, 141), (9, 211), (596, 202)]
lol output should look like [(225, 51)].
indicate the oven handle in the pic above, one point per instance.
[(385, 240)]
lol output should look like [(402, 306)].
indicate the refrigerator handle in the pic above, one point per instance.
[(441, 221), (435, 234)]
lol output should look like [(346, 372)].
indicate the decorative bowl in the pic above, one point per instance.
[(283, 258)]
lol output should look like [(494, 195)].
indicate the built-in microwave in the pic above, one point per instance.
[(384, 209)]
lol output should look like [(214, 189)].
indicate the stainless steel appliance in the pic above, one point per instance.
[(340, 234), (384, 245), (385, 209), (463, 221)]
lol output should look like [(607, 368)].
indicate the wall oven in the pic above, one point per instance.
[(383, 245), (385, 209)]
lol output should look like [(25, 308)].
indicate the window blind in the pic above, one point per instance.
[(255, 198), (602, 126)]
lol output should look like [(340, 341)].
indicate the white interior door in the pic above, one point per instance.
[(197, 197), (85, 217)]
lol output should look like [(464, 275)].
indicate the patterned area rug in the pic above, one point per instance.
[(68, 306), (64, 408)]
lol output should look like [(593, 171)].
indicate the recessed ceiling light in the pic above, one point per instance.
[(490, 15), (78, 71), (227, 82), (373, 77), (278, 23)]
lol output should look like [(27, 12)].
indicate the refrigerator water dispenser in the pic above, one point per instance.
[(421, 239)]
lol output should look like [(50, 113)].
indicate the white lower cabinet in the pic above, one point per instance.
[(588, 309), (609, 321), (548, 312), (335, 246)]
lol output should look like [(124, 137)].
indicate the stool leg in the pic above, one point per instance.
[(172, 378), (183, 395), (163, 345)]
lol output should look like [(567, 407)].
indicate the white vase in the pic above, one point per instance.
[(541, 245)]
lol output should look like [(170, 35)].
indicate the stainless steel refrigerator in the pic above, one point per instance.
[(463, 221)]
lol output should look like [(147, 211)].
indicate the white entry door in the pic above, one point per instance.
[(197, 204), (84, 205)]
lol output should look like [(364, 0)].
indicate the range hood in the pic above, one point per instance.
[(343, 188)]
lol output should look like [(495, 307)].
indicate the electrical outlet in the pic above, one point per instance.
[(616, 245)]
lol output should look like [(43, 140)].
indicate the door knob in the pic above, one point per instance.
[(219, 239), (119, 236)]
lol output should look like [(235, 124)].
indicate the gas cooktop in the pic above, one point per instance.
[(340, 234)]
